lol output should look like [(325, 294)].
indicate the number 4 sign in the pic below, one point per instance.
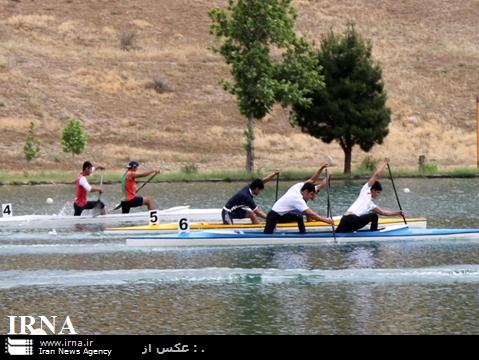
[(7, 210)]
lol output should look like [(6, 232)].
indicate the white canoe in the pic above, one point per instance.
[(232, 238), (419, 223), (55, 221)]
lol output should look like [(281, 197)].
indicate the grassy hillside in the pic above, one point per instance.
[(62, 58)]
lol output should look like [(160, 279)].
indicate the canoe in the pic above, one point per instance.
[(55, 221), (244, 238), (420, 223)]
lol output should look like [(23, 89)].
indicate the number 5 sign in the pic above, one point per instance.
[(154, 219)]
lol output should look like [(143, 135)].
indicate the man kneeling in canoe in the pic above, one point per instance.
[(364, 211), (128, 187), (242, 204), (82, 188), (292, 206)]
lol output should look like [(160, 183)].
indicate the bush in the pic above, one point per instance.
[(127, 40), (32, 145), (74, 138), (158, 85), (190, 169), (429, 168), (368, 165)]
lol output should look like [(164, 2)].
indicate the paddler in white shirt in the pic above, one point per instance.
[(293, 205), (364, 211)]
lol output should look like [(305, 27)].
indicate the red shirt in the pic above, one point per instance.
[(129, 186), (80, 192)]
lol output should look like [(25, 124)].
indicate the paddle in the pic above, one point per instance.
[(329, 211), (277, 185), (97, 208), (395, 192), (138, 190)]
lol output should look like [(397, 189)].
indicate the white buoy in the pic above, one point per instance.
[(49, 201), (406, 190)]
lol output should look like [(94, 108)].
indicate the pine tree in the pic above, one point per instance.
[(351, 108)]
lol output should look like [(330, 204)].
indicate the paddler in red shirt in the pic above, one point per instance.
[(128, 188), (82, 188)]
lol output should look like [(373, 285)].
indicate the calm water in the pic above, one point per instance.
[(107, 288)]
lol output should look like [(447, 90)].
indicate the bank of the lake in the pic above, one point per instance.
[(26, 177)]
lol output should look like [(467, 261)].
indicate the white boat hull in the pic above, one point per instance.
[(57, 221)]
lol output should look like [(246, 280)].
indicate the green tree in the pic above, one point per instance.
[(74, 137), (351, 108), (269, 63), (32, 145)]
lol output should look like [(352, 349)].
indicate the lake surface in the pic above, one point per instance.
[(107, 288)]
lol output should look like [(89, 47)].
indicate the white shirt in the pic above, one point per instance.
[(291, 202), (84, 184), (364, 203)]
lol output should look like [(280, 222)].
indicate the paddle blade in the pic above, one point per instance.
[(329, 159), (98, 205), (97, 209)]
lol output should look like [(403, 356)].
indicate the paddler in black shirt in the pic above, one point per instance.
[(242, 204)]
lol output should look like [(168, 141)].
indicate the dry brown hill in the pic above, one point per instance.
[(62, 58)]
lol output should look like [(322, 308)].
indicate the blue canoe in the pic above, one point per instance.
[(239, 238)]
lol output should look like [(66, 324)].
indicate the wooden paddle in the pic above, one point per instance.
[(395, 192), (138, 190)]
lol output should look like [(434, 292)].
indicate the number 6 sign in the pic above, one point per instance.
[(183, 226)]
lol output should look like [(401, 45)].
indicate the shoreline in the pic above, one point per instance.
[(67, 177)]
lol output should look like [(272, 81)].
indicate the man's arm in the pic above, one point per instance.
[(270, 177), (385, 212), (254, 214), (146, 173), (311, 214), (260, 213), (317, 174), (323, 184), (85, 185), (378, 172)]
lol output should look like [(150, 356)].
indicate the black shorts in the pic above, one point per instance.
[(127, 205), (273, 218), (351, 222), (228, 216), (88, 206)]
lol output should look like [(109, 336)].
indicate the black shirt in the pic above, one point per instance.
[(242, 199)]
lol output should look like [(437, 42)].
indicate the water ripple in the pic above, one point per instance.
[(67, 278)]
